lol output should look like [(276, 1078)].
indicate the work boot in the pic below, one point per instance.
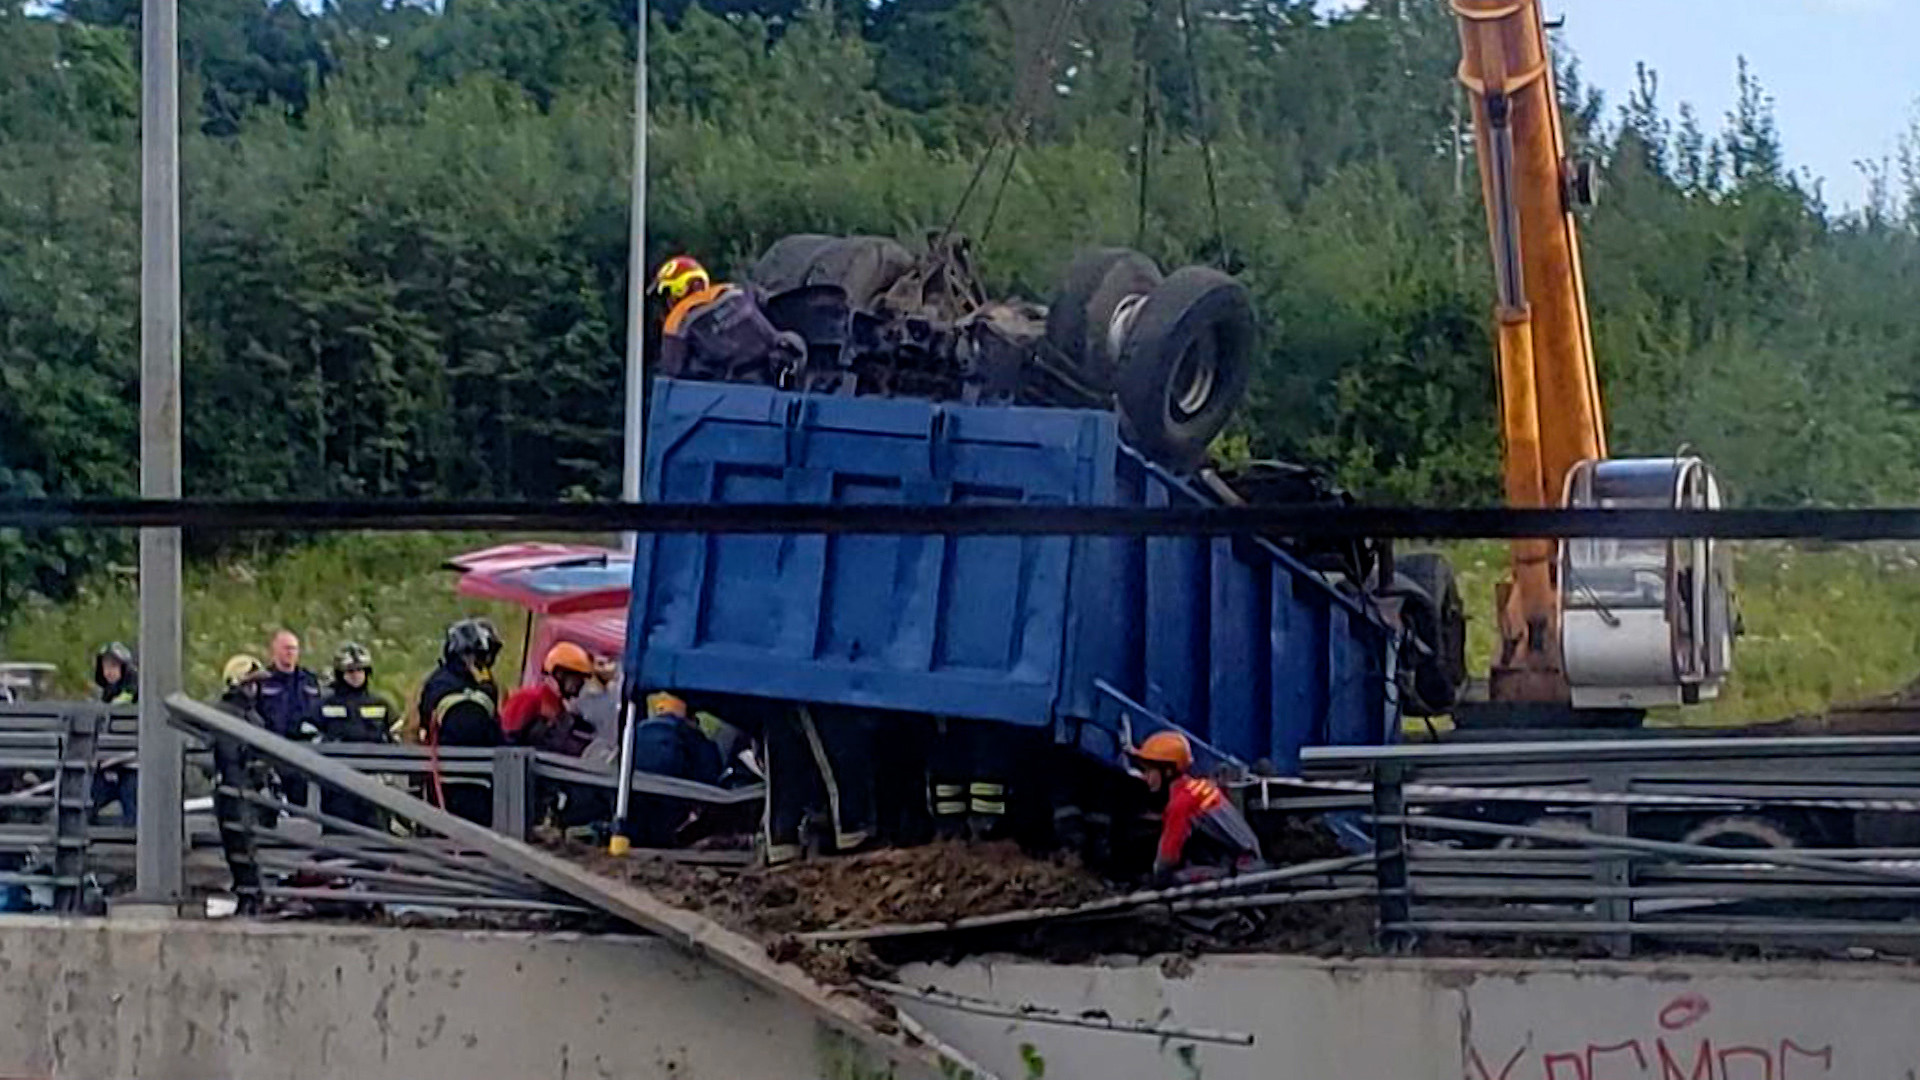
[(852, 843), (783, 854)]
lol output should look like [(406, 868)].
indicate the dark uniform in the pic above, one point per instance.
[(239, 773), (353, 714), (972, 771), (460, 706), (818, 760), (290, 705), (721, 332), (121, 784), (674, 746)]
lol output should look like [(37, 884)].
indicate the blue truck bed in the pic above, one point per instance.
[(1250, 652)]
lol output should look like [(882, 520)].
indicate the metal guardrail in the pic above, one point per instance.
[(53, 841), (1618, 844), (49, 755), (1809, 842)]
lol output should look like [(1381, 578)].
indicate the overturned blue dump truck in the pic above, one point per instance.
[(848, 371), (1089, 639)]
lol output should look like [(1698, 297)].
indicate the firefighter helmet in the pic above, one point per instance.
[(1168, 748), (242, 669), (568, 657), (680, 277), (352, 656)]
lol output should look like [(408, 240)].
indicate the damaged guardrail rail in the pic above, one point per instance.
[(1789, 842)]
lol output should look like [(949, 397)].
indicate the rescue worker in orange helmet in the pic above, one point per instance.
[(718, 331), (542, 714), (1202, 834)]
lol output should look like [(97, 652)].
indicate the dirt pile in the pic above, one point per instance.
[(936, 883)]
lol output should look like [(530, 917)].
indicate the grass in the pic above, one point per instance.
[(1822, 625), (385, 591)]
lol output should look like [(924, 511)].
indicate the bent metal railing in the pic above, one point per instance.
[(452, 862), (60, 852), (1623, 844), (1637, 843)]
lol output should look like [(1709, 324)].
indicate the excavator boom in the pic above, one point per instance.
[(1561, 643)]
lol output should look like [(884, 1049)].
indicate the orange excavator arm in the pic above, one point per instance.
[(1550, 409), (1589, 624)]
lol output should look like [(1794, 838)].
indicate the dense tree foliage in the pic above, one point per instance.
[(405, 225)]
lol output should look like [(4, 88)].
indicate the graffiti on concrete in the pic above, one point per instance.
[(1675, 1045)]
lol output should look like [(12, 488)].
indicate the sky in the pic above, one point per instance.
[(1844, 74)]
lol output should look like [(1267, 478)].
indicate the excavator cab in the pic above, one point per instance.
[(1645, 623)]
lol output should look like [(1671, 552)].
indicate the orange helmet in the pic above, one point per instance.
[(568, 657), (680, 276), (664, 704), (1166, 748)]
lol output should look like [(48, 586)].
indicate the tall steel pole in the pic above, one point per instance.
[(160, 831), (634, 458)]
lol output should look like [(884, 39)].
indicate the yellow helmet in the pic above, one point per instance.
[(241, 669), (679, 277), (665, 705)]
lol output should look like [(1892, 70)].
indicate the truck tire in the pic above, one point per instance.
[(1097, 284), (1441, 623), (1185, 365), (1739, 831), (786, 264), (865, 266)]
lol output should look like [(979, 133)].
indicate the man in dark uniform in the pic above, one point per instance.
[(290, 704), (460, 706), (353, 713), (669, 743), (118, 679)]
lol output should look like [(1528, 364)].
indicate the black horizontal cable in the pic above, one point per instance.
[(1301, 522)]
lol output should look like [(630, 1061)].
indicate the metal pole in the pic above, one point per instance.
[(634, 459), (162, 824)]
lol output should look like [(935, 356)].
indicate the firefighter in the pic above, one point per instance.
[(352, 712), (1202, 834), (818, 760), (118, 679), (719, 331), (970, 773), (239, 773), (545, 715), (668, 743), (460, 706)]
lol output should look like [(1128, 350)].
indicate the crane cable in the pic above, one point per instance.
[(1206, 135), (1148, 115), (1016, 122)]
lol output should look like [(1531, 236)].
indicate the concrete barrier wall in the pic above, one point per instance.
[(92, 1000), (108, 1000), (1448, 1020)]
